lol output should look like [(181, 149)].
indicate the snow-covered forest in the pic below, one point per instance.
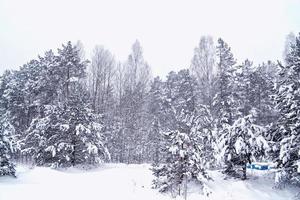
[(61, 110)]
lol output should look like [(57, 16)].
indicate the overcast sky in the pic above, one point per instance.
[(168, 30)]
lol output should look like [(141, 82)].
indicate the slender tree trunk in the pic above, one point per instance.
[(244, 176), (95, 96), (67, 84), (74, 149), (185, 187)]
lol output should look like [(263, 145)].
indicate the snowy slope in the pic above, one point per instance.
[(124, 182)]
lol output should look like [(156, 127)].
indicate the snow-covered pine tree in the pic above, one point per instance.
[(65, 138), (243, 143), (72, 69), (46, 139), (205, 130), (288, 125), (254, 90), (155, 100), (185, 160), (14, 101), (6, 133), (86, 131), (184, 151), (223, 102), (244, 88), (41, 91), (263, 81), (48, 85), (7, 168), (65, 132)]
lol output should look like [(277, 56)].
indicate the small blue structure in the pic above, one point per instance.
[(258, 166)]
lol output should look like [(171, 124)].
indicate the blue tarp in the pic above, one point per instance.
[(258, 166)]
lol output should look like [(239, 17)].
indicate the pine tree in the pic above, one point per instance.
[(243, 143), (184, 161), (7, 168), (6, 133), (46, 139), (65, 132), (156, 120), (263, 80), (223, 101), (185, 134), (244, 86), (14, 101), (86, 130), (288, 125), (48, 84), (205, 129)]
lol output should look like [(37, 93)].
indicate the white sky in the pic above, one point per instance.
[(168, 30)]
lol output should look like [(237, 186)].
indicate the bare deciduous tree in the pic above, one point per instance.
[(203, 68), (102, 72)]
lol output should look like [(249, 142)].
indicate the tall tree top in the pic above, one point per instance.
[(224, 55), (293, 58), (290, 41)]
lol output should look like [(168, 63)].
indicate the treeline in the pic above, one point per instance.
[(61, 110)]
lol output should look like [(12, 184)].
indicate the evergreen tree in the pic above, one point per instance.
[(288, 125), (46, 139), (7, 168), (224, 101), (14, 101), (241, 144), (65, 132), (205, 129), (6, 133), (263, 81), (156, 119), (185, 159), (184, 150), (244, 86)]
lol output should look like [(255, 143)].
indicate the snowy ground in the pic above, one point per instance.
[(125, 182)]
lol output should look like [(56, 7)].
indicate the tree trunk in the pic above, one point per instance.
[(67, 83), (244, 176), (185, 187)]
